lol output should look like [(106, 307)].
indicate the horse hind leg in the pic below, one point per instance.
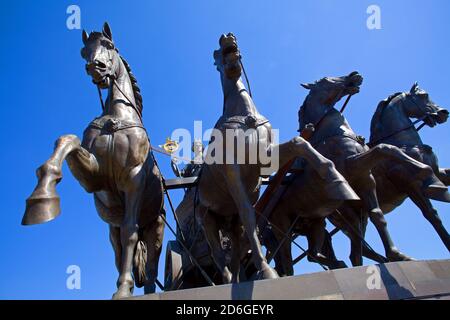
[(211, 230), (152, 237), (317, 241), (444, 175), (235, 264), (44, 203), (376, 215), (431, 214), (114, 238)]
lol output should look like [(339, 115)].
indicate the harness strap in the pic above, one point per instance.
[(359, 139), (249, 120)]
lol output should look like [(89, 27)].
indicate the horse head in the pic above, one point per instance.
[(227, 57), (324, 94), (330, 90), (102, 59), (417, 104)]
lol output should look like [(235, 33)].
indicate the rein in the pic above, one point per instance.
[(126, 97), (246, 77), (413, 125), (114, 82)]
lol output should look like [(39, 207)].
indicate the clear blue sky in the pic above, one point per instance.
[(46, 93)]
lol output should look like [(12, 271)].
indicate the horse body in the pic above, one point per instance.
[(114, 162), (391, 124), (229, 189)]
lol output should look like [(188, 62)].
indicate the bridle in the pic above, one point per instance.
[(249, 90), (412, 125), (114, 83), (246, 77)]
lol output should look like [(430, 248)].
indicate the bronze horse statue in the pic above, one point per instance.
[(391, 124), (114, 162), (336, 140), (228, 189)]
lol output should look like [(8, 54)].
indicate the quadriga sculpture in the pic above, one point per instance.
[(228, 190), (114, 162)]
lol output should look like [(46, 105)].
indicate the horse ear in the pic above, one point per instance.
[(306, 86), (84, 36), (414, 87), (107, 31)]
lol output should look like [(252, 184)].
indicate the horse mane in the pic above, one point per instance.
[(301, 115), (136, 89), (376, 119)]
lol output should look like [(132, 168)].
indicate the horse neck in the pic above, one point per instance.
[(326, 118), (118, 101), (237, 101), (395, 120)]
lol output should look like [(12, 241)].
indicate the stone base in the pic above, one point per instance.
[(399, 280)]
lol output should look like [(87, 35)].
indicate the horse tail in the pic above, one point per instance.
[(139, 263)]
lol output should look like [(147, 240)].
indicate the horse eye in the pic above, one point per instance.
[(108, 45)]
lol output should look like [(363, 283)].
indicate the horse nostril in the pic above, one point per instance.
[(444, 112), (100, 64)]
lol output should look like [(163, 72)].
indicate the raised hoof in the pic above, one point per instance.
[(437, 192), (267, 273), (41, 209), (340, 190)]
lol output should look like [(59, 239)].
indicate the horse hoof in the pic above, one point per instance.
[(398, 256), (437, 192), (227, 278), (268, 273), (340, 190), (339, 265), (41, 209), (122, 293)]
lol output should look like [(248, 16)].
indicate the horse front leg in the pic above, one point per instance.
[(365, 161), (336, 186), (44, 203), (247, 215), (129, 231)]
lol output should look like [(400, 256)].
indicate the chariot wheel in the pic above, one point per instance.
[(173, 270)]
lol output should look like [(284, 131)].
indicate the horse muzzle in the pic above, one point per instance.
[(442, 116), (99, 73)]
